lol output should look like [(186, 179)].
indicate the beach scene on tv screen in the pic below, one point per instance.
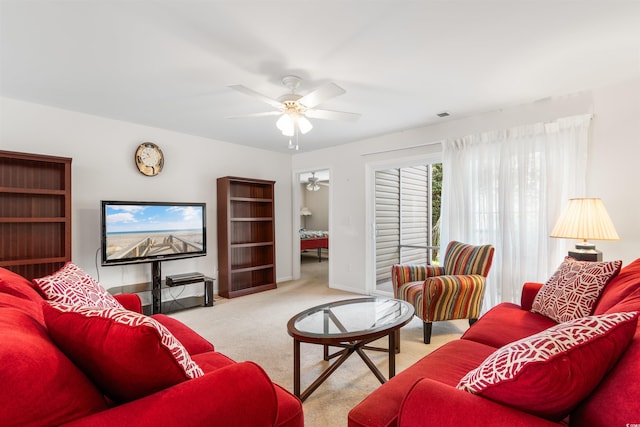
[(140, 231)]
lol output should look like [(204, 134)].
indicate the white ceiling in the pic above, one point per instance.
[(169, 63)]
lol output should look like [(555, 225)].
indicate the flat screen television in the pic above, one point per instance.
[(139, 232)]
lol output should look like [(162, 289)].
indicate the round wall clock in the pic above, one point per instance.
[(149, 159)]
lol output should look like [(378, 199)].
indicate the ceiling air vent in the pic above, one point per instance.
[(443, 114)]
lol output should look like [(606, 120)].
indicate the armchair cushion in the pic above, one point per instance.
[(444, 297), (71, 285), (412, 292), (549, 373), (453, 297), (127, 354), (572, 291)]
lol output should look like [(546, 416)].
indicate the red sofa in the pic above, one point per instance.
[(425, 394), (42, 387)]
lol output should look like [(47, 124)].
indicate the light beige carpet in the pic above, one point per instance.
[(254, 327)]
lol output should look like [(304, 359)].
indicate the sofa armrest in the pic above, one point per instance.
[(444, 405), (529, 292), (191, 340), (241, 393), (130, 301)]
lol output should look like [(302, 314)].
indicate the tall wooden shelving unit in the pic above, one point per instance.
[(35, 213), (246, 236)]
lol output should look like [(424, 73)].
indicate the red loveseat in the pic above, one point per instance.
[(425, 394), (41, 386)]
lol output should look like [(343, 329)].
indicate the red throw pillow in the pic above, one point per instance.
[(574, 289), (16, 285), (127, 354), (549, 373), (624, 284), (40, 386), (71, 285)]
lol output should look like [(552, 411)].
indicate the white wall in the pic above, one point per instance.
[(614, 168), (102, 168), (318, 204), (102, 152), (613, 152)]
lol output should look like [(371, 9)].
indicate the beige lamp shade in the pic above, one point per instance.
[(585, 219), (305, 211)]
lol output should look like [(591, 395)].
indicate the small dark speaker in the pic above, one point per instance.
[(184, 279)]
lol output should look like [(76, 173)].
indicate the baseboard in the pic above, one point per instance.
[(347, 289)]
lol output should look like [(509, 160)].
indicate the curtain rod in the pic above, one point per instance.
[(426, 144)]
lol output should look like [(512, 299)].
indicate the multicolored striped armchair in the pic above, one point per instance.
[(452, 291)]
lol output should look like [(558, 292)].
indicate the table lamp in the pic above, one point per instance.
[(305, 212), (585, 219)]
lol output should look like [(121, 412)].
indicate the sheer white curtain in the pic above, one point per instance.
[(507, 188)]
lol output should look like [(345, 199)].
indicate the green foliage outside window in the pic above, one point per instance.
[(436, 200)]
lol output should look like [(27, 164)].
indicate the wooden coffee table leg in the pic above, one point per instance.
[(296, 367), (371, 365), (325, 374), (393, 336)]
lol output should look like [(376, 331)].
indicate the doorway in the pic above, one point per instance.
[(314, 190)]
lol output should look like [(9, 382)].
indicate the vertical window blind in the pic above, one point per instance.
[(404, 218)]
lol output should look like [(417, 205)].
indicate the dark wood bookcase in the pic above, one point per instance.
[(246, 236), (35, 213)]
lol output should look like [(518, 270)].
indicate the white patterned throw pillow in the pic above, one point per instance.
[(71, 285), (573, 290), (549, 373)]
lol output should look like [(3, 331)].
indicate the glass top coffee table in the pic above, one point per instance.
[(350, 324)]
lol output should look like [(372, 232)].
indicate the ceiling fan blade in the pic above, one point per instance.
[(266, 113), (332, 115), (318, 96), (274, 103)]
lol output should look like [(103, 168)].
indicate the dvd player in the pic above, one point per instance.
[(184, 279)]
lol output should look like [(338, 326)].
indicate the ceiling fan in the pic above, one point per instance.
[(295, 109), (314, 183)]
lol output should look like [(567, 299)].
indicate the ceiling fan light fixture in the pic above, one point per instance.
[(294, 108), (313, 183), (312, 186), (304, 124), (286, 125)]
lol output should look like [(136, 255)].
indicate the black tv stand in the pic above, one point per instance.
[(157, 284)]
